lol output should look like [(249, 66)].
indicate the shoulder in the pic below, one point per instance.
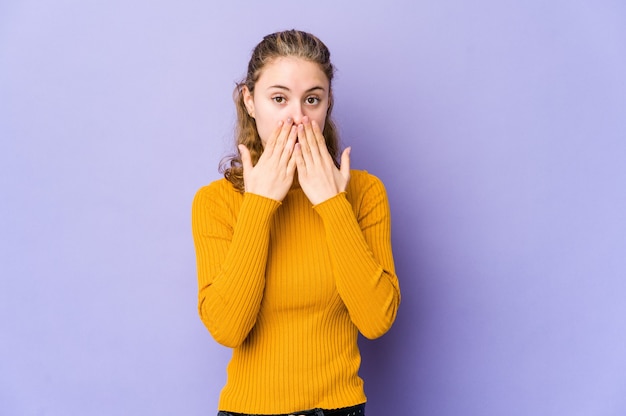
[(363, 182), (218, 193), (362, 176), (219, 186), (365, 191)]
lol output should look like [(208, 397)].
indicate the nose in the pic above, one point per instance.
[(297, 113)]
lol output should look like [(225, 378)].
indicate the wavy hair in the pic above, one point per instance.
[(289, 43)]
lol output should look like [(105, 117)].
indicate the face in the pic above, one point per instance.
[(288, 87)]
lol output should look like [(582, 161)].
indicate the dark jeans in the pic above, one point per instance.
[(358, 410)]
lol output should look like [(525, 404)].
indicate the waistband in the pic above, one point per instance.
[(358, 410)]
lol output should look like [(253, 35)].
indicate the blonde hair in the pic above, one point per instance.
[(290, 43)]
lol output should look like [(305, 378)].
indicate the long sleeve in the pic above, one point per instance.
[(289, 286), (231, 252), (358, 235)]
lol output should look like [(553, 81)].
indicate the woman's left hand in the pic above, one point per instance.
[(319, 177)]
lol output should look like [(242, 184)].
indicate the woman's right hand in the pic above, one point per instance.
[(273, 174)]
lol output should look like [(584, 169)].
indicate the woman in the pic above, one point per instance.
[(293, 249)]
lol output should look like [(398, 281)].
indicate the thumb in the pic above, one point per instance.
[(345, 162), (246, 159)]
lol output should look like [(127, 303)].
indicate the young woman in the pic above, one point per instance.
[(293, 248)]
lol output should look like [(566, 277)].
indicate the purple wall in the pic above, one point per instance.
[(499, 128)]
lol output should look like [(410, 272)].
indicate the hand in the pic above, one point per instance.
[(273, 174), (319, 177)]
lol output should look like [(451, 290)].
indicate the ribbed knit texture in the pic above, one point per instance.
[(288, 286)]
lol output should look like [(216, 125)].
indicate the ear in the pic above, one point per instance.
[(248, 100)]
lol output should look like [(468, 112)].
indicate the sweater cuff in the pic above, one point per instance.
[(334, 208), (261, 208)]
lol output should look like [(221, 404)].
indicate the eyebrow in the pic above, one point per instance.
[(282, 87)]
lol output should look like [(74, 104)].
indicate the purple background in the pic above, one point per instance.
[(499, 128)]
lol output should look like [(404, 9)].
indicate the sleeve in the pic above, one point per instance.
[(360, 250), (231, 254)]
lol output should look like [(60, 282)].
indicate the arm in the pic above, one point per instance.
[(360, 250), (231, 253), (232, 240)]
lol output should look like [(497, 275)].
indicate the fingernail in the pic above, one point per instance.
[(289, 119), (280, 123)]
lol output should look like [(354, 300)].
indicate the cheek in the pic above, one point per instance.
[(263, 128), (320, 119), (265, 123)]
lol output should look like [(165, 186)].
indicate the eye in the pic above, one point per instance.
[(279, 99), (312, 100)]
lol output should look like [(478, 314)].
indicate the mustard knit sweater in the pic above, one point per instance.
[(288, 286)]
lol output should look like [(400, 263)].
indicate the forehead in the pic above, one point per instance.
[(292, 72)]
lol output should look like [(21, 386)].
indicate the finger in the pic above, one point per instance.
[(283, 135), (289, 145), (319, 152), (292, 163), (319, 136), (310, 135), (298, 157), (321, 144), (304, 144), (271, 141)]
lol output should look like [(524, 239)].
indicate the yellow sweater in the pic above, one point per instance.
[(288, 286)]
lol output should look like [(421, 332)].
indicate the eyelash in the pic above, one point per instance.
[(317, 100), (279, 99)]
